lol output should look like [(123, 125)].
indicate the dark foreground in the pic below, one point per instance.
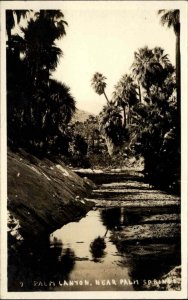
[(129, 241)]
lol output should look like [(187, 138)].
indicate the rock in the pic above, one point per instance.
[(14, 227), (43, 198)]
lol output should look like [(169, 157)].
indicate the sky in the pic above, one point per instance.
[(101, 38)]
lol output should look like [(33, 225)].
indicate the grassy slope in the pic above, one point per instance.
[(44, 196)]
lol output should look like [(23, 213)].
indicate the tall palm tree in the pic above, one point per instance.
[(13, 17), (41, 54), (141, 66), (125, 95), (160, 67), (171, 18), (40, 110), (98, 83), (57, 19)]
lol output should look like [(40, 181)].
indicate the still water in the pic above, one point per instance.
[(105, 265), (103, 268), (81, 257)]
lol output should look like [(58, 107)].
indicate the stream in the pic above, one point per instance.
[(120, 245)]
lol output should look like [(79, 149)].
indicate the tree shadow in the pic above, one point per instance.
[(41, 262), (97, 248)]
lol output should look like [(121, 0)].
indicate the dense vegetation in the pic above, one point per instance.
[(142, 118), (39, 108)]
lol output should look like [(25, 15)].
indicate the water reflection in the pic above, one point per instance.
[(111, 218), (116, 217), (97, 249), (143, 261), (148, 262), (84, 250), (38, 266)]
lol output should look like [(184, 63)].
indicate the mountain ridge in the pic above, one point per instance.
[(81, 115)]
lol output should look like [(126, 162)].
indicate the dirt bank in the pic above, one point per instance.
[(43, 196)]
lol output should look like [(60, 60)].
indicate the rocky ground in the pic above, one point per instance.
[(42, 195)]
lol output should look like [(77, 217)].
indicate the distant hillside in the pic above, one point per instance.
[(80, 115)]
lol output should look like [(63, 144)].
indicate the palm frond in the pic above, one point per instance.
[(171, 18)]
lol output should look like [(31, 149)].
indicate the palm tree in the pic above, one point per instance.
[(141, 67), (172, 19), (13, 17), (150, 67), (110, 125), (46, 114), (41, 111), (125, 95), (57, 19), (160, 67), (160, 57), (62, 102), (40, 53), (98, 83)]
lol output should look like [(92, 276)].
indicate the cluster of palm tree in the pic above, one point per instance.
[(39, 108), (151, 81), (150, 68), (147, 103), (125, 97)]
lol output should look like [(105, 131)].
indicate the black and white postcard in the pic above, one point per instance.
[(94, 149)]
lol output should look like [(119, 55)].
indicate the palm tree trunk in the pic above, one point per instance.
[(106, 97), (130, 116), (178, 87), (8, 35), (124, 118), (109, 144), (178, 73), (106, 233), (140, 96)]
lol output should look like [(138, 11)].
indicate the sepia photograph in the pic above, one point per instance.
[(94, 149)]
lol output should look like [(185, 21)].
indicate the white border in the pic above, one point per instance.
[(183, 6)]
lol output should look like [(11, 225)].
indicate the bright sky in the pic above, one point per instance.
[(103, 39)]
